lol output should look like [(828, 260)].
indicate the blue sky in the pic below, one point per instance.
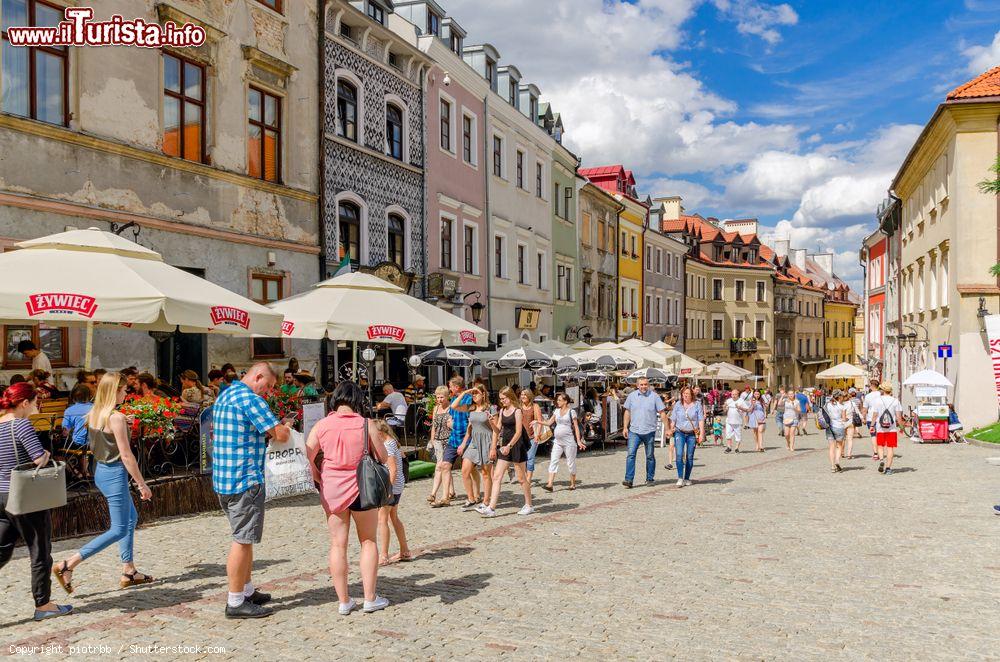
[(797, 113)]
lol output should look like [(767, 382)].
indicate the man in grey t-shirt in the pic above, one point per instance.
[(642, 407)]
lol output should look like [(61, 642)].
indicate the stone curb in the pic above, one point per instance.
[(983, 444)]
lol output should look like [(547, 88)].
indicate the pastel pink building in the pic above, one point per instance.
[(457, 263)]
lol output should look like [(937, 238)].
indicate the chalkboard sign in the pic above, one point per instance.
[(205, 439)]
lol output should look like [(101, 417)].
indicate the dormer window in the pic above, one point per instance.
[(394, 60), (533, 109), (512, 95), (455, 44), (376, 13), (433, 24), (491, 72), (346, 32)]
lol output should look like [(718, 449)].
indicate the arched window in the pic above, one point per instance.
[(396, 229), (349, 222), (347, 110), (394, 131)]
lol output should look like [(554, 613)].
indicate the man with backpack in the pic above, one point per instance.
[(885, 415), (871, 396)]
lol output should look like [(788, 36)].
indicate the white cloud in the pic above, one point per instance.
[(756, 18), (693, 194), (983, 58), (776, 179)]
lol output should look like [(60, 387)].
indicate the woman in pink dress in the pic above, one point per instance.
[(335, 448)]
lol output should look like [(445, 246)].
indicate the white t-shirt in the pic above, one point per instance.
[(735, 409), (397, 403), (836, 411), (41, 362), (881, 404), (869, 401)]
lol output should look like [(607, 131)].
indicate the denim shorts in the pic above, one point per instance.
[(833, 434)]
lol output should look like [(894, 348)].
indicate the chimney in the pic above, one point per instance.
[(781, 247), (671, 206), (799, 258), (825, 261)]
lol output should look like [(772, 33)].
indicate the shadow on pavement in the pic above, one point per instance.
[(580, 485), (710, 481), (556, 507), (444, 553), (902, 470), (852, 468), (399, 590)]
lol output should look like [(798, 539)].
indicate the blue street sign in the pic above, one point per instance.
[(944, 351)]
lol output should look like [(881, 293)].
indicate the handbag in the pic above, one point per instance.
[(374, 488), (34, 488)]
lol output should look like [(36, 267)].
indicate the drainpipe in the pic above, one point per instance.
[(487, 164), (899, 290), (423, 181), (618, 274), (321, 198), (642, 278)]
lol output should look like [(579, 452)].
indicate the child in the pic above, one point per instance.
[(390, 512), (717, 430), (75, 426)]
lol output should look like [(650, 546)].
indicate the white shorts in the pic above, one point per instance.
[(734, 431)]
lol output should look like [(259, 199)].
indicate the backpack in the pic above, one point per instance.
[(823, 420), (885, 419)]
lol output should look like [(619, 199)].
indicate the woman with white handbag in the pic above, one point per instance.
[(19, 441)]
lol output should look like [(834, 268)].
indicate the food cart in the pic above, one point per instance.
[(930, 388)]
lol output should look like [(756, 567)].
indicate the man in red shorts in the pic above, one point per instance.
[(885, 416)]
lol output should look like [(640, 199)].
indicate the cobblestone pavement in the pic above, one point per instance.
[(766, 556)]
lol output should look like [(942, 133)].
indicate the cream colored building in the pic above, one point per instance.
[(949, 242)]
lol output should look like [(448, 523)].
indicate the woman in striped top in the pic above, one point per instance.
[(390, 513)]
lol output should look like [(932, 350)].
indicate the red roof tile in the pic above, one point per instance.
[(984, 85), (602, 171)]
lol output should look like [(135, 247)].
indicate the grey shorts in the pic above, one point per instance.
[(245, 512)]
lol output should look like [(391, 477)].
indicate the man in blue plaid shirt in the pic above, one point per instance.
[(241, 424), (461, 402)]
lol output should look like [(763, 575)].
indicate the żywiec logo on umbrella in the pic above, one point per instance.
[(466, 337), (287, 328), (386, 332), (231, 316), (61, 303)]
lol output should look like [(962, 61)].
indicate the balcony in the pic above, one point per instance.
[(743, 345)]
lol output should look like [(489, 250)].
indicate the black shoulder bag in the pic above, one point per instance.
[(374, 488)]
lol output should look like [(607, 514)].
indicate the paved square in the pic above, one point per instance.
[(766, 556)]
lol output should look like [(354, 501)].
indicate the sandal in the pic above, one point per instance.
[(443, 503), (403, 559), (430, 498), (60, 575), (134, 579)]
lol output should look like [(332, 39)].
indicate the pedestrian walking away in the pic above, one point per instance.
[(642, 407), (565, 441), (886, 416), (510, 447), (18, 440), (805, 407), (241, 423), (109, 441), (867, 404), (341, 438), (835, 420), (687, 427)]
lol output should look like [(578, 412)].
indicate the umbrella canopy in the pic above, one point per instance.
[(685, 366), (928, 378), (613, 362), (634, 342), (724, 371), (527, 358), (633, 359), (569, 365), (446, 356), (364, 308), (841, 371), (652, 374), (659, 344), (96, 277)]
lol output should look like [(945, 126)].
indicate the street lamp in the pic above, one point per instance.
[(477, 306)]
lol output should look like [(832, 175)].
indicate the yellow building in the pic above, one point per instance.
[(838, 322)]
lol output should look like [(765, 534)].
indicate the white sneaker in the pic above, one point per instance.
[(377, 604), (526, 510), (347, 607), (680, 482), (687, 482), (488, 512), (481, 508)]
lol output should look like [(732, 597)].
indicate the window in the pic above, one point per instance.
[(717, 289), (183, 108), (542, 271), (761, 292), (499, 257), (396, 231), (740, 291), (564, 282), (759, 331), (265, 289), (522, 275), (455, 44), (538, 180), (497, 156), (585, 225), (394, 131), (512, 93), (659, 310), (446, 242), (634, 253), (555, 198), (470, 249), (659, 261), (264, 143), (676, 310), (601, 229), (467, 138), (808, 346), (376, 13), (445, 125), (501, 338), (677, 266), (758, 367), (624, 243), (601, 303), (649, 258), (533, 109), (491, 73), (35, 79), (347, 110), (345, 31), (349, 225), (393, 60), (624, 301), (433, 24), (52, 341), (716, 329), (587, 309), (739, 328), (646, 309), (273, 4), (520, 169)]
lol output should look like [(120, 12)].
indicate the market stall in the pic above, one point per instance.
[(930, 388)]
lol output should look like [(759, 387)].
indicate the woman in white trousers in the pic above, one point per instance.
[(566, 440)]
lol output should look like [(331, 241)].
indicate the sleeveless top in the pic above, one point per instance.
[(441, 430), (508, 426), (564, 425), (104, 446), (527, 416)]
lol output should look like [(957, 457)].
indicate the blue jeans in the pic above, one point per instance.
[(684, 442), (634, 440), (112, 481), (532, 452)]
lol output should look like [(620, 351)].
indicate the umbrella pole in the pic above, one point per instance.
[(88, 350), (354, 361)]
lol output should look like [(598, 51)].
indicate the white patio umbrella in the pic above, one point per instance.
[(91, 277), (652, 374), (841, 371), (444, 356), (659, 344), (928, 378), (363, 308), (527, 359), (723, 371)]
